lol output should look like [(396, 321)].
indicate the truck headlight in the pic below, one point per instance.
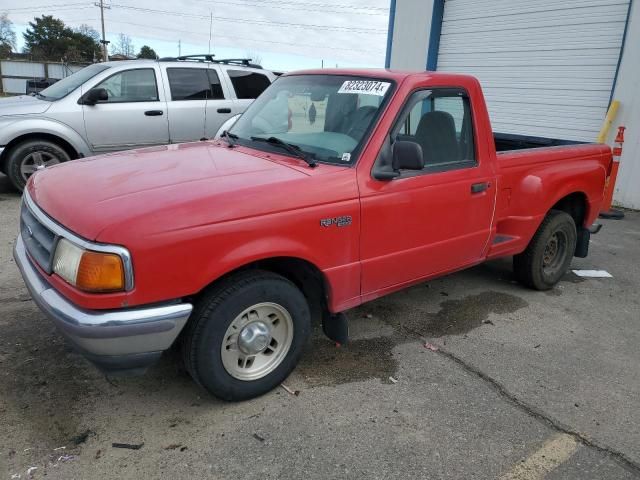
[(88, 270)]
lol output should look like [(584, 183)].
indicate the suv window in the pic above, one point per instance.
[(248, 84), (216, 88), (439, 121), (188, 83), (131, 86), (194, 84)]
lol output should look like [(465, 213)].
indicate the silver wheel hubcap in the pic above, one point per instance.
[(257, 341), (36, 161)]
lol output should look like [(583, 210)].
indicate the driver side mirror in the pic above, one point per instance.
[(402, 155), (407, 156), (94, 96)]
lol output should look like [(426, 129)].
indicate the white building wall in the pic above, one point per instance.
[(411, 34), (410, 43), (627, 91)]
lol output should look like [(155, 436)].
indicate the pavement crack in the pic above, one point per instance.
[(530, 410), (540, 414)]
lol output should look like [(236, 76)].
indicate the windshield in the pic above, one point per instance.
[(326, 116), (68, 84)]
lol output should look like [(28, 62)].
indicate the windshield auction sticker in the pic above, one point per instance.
[(370, 87)]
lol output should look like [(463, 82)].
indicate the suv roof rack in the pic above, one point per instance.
[(208, 57)]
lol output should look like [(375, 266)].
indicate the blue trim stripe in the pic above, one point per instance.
[(624, 39), (434, 34), (392, 19)]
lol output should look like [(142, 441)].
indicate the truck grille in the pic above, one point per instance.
[(39, 241)]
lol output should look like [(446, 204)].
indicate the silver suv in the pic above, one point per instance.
[(121, 105)]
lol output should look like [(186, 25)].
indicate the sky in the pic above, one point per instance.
[(284, 34)]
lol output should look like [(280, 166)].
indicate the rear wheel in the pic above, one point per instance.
[(246, 335), (26, 158), (549, 253)]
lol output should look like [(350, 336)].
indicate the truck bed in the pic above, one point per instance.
[(506, 142), (530, 177)]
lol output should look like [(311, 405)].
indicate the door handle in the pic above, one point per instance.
[(480, 187), (153, 113), (224, 110)]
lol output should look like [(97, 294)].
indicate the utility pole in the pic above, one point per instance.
[(104, 42), (179, 48), (210, 29)]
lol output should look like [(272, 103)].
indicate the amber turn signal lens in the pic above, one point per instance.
[(100, 272)]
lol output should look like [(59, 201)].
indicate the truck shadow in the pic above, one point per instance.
[(324, 363)]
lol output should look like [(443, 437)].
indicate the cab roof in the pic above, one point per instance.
[(382, 73)]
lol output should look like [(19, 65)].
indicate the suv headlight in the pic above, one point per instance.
[(88, 270)]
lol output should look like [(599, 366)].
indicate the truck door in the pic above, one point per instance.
[(434, 220), (134, 114)]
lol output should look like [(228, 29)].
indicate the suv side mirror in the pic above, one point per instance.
[(94, 96), (407, 156)]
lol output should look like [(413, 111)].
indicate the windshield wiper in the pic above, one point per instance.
[(289, 147), (39, 95), (231, 138)]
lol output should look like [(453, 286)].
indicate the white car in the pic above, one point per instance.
[(121, 105)]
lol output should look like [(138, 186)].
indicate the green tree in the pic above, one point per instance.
[(47, 38), (82, 48), (7, 36), (147, 52)]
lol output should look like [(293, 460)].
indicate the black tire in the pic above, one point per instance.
[(21, 153), (538, 267), (218, 307)]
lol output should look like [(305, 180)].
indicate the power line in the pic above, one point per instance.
[(322, 5), (309, 7), (234, 37), (59, 5), (373, 31)]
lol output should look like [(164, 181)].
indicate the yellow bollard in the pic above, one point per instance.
[(608, 120)]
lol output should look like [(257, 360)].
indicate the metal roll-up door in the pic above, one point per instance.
[(547, 67)]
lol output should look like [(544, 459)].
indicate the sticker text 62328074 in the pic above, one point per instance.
[(371, 87)]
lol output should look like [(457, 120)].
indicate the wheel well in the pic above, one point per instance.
[(305, 275), (575, 205), (66, 146)]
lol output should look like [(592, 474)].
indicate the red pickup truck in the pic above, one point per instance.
[(333, 189)]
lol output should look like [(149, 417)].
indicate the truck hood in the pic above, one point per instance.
[(161, 189), (23, 105)]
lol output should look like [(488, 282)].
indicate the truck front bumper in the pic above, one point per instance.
[(117, 341)]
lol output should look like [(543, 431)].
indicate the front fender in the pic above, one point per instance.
[(17, 127)]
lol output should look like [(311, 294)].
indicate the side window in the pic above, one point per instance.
[(248, 84), (131, 86), (188, 83), (216, 88), (440, 122)]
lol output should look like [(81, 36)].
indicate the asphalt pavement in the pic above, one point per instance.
[(468, 376)]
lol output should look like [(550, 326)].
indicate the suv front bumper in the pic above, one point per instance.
[(123, 340)]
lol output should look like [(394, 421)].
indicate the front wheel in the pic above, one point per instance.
[(549, 252), (28, 157), (246, 335)]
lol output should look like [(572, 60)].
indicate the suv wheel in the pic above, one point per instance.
[(28, 157), (246, 335)]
